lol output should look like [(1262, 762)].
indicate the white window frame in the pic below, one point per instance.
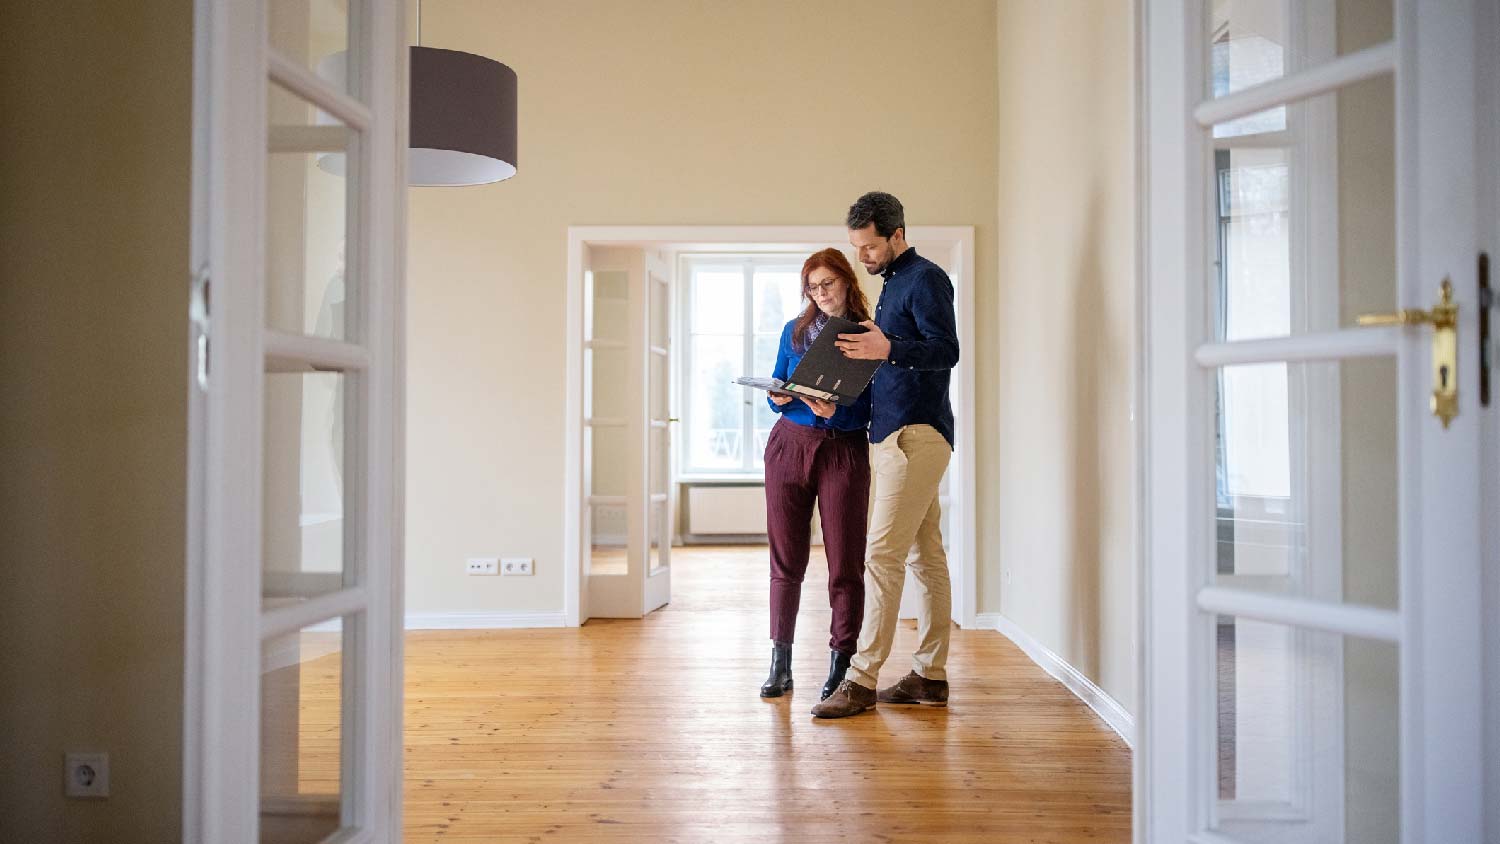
[(748, 263)]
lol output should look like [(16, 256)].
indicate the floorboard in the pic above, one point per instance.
[(652, 731)]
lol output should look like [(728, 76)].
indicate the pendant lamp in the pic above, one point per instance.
[(463, 118)]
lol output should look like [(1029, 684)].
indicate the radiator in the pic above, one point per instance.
[(726, 510)]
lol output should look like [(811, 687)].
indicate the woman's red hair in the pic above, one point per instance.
[(856, 306)]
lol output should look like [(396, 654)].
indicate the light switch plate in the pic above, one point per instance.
[(86, 775)]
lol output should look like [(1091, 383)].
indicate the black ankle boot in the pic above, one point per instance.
[(780, 681), (838, 664)]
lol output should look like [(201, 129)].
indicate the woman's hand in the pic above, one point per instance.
[(820, 408), (780, 400)]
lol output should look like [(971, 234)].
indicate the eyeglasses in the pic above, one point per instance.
[(826, 286)]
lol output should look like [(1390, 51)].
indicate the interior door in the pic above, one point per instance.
[(627, 422), (293, 677), (1312, 618), (658, 424)]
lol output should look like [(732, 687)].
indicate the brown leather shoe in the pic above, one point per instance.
[(850, 699), (914, 688)]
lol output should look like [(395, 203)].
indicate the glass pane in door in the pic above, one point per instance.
[(606, 450), (1305, 727), (657, 538), (308, 290), (658, 469), (312, 33), (1305, 481), (304, 512), (302, 701), (658, 428), (660, 331), (1256, 41), (1303, 217), (608, 531), (609, 455), (659, 497), (607, 317), (608, 395), (659, 408)]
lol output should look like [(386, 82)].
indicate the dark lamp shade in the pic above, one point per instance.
[(463, 118)]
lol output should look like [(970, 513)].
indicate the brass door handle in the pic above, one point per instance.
[(1444, 321)]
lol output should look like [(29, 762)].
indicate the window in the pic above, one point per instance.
[(735, 309)]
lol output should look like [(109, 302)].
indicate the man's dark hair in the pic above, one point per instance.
[(880, 208)]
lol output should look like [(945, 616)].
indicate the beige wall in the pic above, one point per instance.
[(93, 368), (1064, 319), (699, 113)]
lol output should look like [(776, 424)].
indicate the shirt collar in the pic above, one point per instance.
[(901, 260)]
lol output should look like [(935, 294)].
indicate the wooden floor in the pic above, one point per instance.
[(652, 731)]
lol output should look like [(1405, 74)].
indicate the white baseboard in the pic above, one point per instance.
[(483, 620), (1106, 707)]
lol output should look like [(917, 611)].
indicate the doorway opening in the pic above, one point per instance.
[(662, 450)]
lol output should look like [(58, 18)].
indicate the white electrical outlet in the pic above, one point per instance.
[(86, 774), (515, 566), (483, 565)]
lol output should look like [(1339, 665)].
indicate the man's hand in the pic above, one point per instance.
[(871, 345), (780, 400), (819, 407)]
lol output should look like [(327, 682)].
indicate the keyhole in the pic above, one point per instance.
[(1443, 376)]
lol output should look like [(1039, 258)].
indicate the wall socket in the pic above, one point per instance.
[(515, 566), (482, 565), (86, 775)]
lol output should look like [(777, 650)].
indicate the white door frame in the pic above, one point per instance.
[(1440, 624), (1489, 186), (225, 622), (956, 241)]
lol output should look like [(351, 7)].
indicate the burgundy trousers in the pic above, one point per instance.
[(832, 468)]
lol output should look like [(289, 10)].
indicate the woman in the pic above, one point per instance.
[(817, 452)]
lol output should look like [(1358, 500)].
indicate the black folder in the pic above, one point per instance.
[(824, 372)]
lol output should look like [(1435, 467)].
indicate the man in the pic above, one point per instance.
[(911, 437)]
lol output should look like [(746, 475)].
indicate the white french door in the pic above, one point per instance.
[(657, 422), (626, 491), (293, 675), (1312, 616)]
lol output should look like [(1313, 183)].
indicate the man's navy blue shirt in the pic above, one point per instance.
[(916, 313)]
